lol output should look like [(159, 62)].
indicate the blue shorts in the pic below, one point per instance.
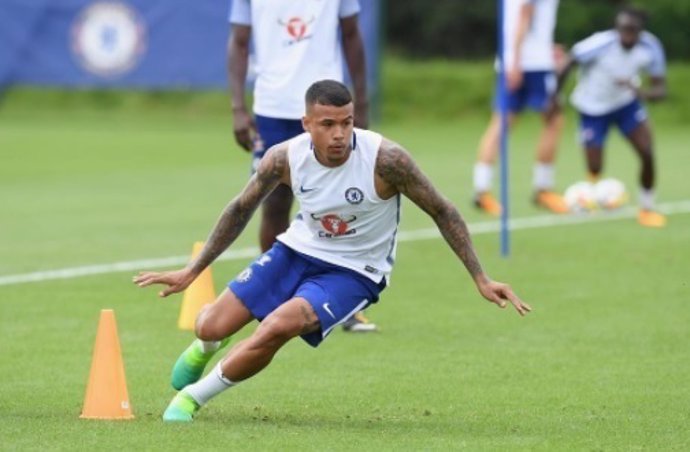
[(594, 129), (271, 132), (537, 87), (335, 293)]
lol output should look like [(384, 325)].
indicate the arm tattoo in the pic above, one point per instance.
[(236, 215), (395, 166)]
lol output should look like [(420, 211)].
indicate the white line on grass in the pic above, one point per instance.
[(484, 227)]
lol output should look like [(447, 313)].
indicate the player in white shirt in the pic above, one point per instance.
[(528, 29), (609, 92), (295, 43), (335, 258)]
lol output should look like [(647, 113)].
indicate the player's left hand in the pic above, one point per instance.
[(177, 281), (500, 294)]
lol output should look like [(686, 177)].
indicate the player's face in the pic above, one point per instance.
[(330, 128), (629, 28)]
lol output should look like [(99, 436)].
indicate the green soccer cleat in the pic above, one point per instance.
[(190, 365), (181, 409)]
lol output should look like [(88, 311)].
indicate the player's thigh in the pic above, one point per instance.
[(640, 137), (277, 130), (272, 131), (293, 318), (538, 88), (226, 316), (594, 130), (633, 124), (335, 296)]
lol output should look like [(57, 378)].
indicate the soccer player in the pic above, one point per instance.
[(609, 92), (295, 44), (334, 259), (528, 59)]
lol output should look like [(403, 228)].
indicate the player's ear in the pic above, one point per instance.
[(305, 123)]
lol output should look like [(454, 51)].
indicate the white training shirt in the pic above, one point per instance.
[(537, 46), (296, 43), (341, 218), (603, 62)]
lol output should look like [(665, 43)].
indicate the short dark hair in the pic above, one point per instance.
[(638, 13), (328, 92)]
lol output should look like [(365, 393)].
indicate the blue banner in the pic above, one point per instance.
[(146, 44)]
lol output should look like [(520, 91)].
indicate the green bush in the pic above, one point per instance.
[(430, 90), (467, 28), (447, 90)]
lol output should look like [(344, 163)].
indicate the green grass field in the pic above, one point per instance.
[(601, 364)]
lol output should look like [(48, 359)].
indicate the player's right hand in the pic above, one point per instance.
[(500, 294), (244, 128), (514, 79), (177, 280)]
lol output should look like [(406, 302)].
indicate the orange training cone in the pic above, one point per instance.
[(198, 294), (106, 392)]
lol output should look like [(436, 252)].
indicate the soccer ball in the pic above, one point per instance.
[(581, 197), (610, 193)]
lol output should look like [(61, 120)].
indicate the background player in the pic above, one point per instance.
[(529, 64), (295, 43), (609, 92)]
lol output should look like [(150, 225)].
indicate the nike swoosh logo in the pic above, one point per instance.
[(305, 190), (328, 310)]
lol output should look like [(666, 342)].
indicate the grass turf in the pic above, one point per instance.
[(601, 364)]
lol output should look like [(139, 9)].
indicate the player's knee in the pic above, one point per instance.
[(206, 328), (557, 120)]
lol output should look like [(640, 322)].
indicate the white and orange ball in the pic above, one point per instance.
[(580, 197), (610, 194)]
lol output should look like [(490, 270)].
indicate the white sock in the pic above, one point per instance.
[(210, 386), (207, 346), (483, 173), (646, 198), (543, 176)]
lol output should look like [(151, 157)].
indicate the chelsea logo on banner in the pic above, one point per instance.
[(108, 38)]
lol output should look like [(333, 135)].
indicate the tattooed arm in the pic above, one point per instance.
[(398, 173), (273, 169), (395, 166)]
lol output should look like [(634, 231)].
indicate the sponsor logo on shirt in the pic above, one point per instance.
[(335, 225), (297, 29)]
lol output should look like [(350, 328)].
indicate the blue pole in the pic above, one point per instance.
[(503, 110)]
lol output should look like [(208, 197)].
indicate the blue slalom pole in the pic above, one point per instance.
[(503, 110)]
